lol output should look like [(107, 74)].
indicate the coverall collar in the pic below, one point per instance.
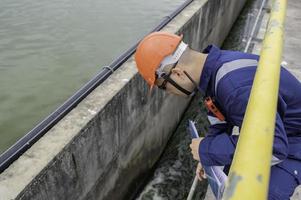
[(209, 68)]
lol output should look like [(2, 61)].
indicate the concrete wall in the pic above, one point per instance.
[(116, 134)]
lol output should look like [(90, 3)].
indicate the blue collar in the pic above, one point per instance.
[(209, 67)]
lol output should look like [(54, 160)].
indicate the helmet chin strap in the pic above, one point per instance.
[(208, 101), (194, 83), (166, 77), (188, 93)]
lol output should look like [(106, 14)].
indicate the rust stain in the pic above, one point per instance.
[(259, 178), (268, 130), (234, 179)]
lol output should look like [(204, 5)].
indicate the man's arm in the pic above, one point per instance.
[(218, 147)]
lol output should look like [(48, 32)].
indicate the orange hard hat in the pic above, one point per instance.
[(152, 50)]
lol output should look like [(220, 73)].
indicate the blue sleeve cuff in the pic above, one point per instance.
[(203, 152), (217, 150)]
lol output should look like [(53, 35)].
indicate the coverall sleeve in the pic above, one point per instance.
[(219, 146)]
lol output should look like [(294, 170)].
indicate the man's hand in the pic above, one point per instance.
[(200, 172), (194, 146)]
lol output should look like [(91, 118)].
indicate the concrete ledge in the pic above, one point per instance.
[(117, 133)]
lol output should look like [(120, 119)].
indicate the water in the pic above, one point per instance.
[(173, 174), (49, 49)]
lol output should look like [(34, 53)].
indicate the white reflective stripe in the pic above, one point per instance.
[(233, 65), (235, 130), (275, 160), (214, 120)]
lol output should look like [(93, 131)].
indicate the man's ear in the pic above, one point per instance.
[(178, 71)]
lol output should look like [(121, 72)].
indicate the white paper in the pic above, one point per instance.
[(215, 174)]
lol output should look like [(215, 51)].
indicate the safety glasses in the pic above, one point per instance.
[(171, 59), (165, 76)]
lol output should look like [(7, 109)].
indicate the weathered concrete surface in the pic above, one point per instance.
[(292, 41), (117, 133)]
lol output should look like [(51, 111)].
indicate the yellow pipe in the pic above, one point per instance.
[(250, 170)]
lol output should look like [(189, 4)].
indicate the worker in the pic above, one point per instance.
[(225, 79)]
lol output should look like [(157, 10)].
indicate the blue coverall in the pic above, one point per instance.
[(227, 76)]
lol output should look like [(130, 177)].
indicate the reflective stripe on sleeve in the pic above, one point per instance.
[(215, 120), (231, 66), (275, 160)]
